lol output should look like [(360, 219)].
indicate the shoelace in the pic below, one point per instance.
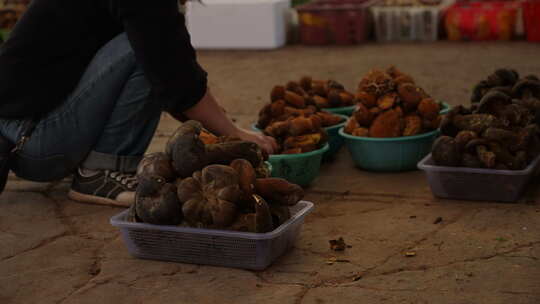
[(128, 180)]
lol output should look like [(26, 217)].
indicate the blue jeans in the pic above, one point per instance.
[(107, 122)]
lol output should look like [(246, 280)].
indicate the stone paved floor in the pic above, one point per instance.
[(54, 250)]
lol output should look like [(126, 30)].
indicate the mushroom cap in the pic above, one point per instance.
[(507, 90), (191, 127), (526, 84), (279, 191), (445, 152), (493, 102), (479, 91), (471, 161), (161, 208), (332, 84), (503, 77), (463, 137), (472, 144), (209, 198), (500, 135), (159, 164), (532, 77)]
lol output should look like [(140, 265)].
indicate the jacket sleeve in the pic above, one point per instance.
[(161, 42)]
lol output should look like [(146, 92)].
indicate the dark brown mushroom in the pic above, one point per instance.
[(279, 191), (526, 89), (476, 122), (445, 152), (471, 161), (480, 147), (479, 90), (187, 151), (156, 202), (157, 164), (209, 197), (463, 138), (508, 138), (280, 214), (503, 77), (493, 103), (246, 181), (260, 221)]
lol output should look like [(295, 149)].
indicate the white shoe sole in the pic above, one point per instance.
[(95, 200)]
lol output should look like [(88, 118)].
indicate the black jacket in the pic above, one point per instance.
[(55, 40)]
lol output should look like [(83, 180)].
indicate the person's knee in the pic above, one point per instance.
[(121, 48)]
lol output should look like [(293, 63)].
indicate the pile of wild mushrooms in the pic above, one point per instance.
[(294, 117), (499, 130), (392, 105), (208, 182)]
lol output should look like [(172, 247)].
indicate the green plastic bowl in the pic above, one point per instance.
[(445, 108), (335, 141), (389, 154), (300, 169), (341, 110)]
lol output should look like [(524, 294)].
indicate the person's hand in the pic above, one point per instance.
[(267, 143)]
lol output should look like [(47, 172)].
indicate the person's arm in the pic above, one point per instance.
[(214, 118), (158, 35)]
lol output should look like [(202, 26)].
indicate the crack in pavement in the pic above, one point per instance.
[(95, 267), (42, 243), (426, 237), (469, 260)]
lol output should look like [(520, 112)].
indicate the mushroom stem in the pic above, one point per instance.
[(487, 157)]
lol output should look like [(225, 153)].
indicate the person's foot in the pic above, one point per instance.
[(103, 187)]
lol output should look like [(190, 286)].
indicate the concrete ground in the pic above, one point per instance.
[(54, 250)]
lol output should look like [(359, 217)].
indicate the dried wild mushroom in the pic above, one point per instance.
[(156, 201), (428, 108), (209, 197), (279, 191), (259, 221), (445, 152), (294, 115), (388, 108), (499, 131), (387, 124), (186, 150), (376, 82), (366, 99), (189, 153), (156, 164), (413, 125)]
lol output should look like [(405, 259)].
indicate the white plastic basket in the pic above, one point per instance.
[(209, 246), (406, 23), (477, 184)]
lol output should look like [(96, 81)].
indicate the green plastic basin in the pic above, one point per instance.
[(445, 108), (389, 154), (341, 110), (335, 141), (300, 169)]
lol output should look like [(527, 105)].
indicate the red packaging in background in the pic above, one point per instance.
[(333, 22), (477, 21), (531, 20)]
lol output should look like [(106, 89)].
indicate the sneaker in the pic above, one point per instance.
[(104, 188)]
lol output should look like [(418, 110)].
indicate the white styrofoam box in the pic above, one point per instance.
[(238, 24)]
